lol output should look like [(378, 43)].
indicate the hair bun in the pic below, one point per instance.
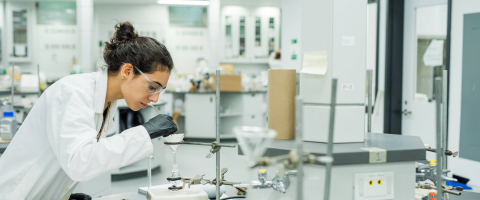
[(124, 31)]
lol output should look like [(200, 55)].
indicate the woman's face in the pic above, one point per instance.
[(136, 89)]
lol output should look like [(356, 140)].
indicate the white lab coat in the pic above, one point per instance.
[(56, 145)]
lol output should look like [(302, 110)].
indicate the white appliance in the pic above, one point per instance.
[(338, 27)]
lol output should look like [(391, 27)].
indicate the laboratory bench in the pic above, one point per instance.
[(399, 148), (392, 157), (132, 196)]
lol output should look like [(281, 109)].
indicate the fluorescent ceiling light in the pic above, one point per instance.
[(182, 2)]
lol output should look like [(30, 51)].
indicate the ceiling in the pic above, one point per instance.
[(275, 3)]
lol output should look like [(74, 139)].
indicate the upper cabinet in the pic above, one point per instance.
[(19, 31), (249, 35)]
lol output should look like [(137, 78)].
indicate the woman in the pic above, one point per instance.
[(62, 141)]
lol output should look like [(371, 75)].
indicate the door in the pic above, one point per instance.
[(200, 115), (425, 30)]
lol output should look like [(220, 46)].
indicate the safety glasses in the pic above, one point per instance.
[(153, 87)]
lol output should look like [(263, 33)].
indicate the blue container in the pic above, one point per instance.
[(8, 114)]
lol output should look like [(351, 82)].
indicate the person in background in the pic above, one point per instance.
[(63, 139)]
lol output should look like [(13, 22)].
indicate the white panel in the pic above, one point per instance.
[(200, 115), (291, 27), (342, 182), (349, 123), (373, 186), (349, 21), (316, 36), (338, 20)]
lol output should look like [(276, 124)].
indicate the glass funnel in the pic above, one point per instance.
[(175, 177), (254, 141)]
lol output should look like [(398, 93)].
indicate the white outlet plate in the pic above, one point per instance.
[(374, 186)]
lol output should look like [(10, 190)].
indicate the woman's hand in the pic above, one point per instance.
[(161, 125)]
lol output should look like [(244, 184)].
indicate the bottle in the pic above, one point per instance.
[(8, 126), (178, 105)]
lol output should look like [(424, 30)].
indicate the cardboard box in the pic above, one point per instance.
[(228, 83)]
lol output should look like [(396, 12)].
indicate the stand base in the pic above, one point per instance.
[(192, 193), (175, 188)]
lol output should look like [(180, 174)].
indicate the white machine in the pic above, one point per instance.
[(339, 28)]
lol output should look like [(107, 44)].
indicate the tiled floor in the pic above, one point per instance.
[(191, 161)]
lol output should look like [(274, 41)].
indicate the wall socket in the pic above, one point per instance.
[(373, 186)]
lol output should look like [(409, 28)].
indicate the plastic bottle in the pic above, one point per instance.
[(8, 126), (178, 105)]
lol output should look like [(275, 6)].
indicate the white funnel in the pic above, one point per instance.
[(254, 141), (174, 138)]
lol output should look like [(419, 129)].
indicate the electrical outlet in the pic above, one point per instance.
[(373, 186)]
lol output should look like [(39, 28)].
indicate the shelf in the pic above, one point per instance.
[(231, 114), (244, 61)]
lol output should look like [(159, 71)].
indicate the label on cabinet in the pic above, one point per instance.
[(348, 40)]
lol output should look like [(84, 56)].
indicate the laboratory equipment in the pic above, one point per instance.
[(254, 141), (175, 178), (337, 38), (8, 126), (193, 193)]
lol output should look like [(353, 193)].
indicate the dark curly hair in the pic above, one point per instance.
[(126, 46)]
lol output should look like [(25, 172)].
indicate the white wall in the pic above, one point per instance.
[(1, 15), (431, 20), (460, 166), (2, 38), (383, 42), (214, 33), (291, 25), (145, 17)]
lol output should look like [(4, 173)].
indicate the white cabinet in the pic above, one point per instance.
[(19, 31), (253, 110), (237, 109), (249, 35), (200, 115)]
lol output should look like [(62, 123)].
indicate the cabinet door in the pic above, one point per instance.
[(253, 103), (253, 109), (200, 115), (18, 30), (253, 120)]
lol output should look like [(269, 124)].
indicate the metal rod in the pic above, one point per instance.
[(369, 108), (38, 76), (444, 117), (149, 172), (438, 101), (201, 144), (444, 121), (13, 86), (299, 141), (328, 166), (217, 101)]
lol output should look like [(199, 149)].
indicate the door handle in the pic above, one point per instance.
[(406, 112)]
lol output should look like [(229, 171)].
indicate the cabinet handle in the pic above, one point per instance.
[(211, 99), (253, 116)]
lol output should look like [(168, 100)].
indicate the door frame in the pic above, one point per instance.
[(394, 68), (394, 65)]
